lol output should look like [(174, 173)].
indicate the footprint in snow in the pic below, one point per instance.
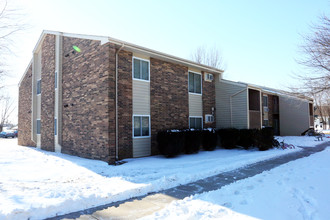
[(244, 202), (227, 204), (250, 187)]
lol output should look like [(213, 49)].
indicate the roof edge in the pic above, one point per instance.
[(26, 70)]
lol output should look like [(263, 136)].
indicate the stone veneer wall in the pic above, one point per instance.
[(125, 105), (208, 97), (24, 110), (87, 85), (168, 98), (47, 92)]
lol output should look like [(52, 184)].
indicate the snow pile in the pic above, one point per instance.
[(39, 184), (296, 190), (302, 141)]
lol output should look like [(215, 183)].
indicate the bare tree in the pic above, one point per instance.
[(10, 24), (316, 59), (7, 109), (208, 56)]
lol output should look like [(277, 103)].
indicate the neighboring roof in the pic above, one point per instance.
[(267, 90)]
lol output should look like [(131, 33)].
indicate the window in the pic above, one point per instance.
[(140, 69), (39, 87), (38, 126), (55, 126), (265, 101), (195, 83), (55, 80), (195, 122), (265, 123), (209, 118), (141, 126)]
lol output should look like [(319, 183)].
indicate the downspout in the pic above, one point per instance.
[(116, 108), (231, 105)]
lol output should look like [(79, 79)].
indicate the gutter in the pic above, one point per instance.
[(116, 108), (231, 105)]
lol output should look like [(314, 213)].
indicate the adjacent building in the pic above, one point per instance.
[(102, 98), (247, 106)]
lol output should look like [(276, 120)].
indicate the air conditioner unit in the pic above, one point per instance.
[(209, 77), (209, 118)]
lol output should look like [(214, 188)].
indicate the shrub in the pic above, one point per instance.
[(247, 138), (228, 137), (170, 143), (265, 139), (209, 139), (192, 141)]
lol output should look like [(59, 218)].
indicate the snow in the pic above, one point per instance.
[(296, 190), (38, 184)]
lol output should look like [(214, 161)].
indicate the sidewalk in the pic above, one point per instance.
[(142, 206)]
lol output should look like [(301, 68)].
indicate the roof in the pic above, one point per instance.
[(268, 90), (129, 47)]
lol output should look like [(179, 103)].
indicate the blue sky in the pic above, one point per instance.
[(259, 40)]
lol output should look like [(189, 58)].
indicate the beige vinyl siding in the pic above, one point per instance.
[(141, 147), (36, 99), (141, 106), (195, 105), (141, 97), (294, 116), (239, 105)]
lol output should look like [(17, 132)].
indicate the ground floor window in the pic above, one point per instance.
[(196, 122), (38, 126), (55, 126), (141, 124), (265, 123)]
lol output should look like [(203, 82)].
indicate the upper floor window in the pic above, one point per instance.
[(140, 69), (56, 80), (39, 87), (195, 83), (265, 101)]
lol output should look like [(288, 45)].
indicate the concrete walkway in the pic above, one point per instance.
[(142, 206)]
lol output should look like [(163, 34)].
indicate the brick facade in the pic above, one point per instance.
[(88, 99), (125, 104), (168, 98), (47, 92), (24, 110), (86, 105), (208, 101)]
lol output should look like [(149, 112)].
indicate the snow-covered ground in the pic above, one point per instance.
[(296, 190), (37, 184)]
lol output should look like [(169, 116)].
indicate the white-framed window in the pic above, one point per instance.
[(39, 87), (195, 82), (141, 69), (55, 126), (141, 126), (196, 122), (209, 118), (265, 101), (55, 79), (38, 126)]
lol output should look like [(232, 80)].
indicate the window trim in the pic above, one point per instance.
[(193, 93), (38, 119), (134, 115), (138, 58), (39, 80), (201, 117)]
